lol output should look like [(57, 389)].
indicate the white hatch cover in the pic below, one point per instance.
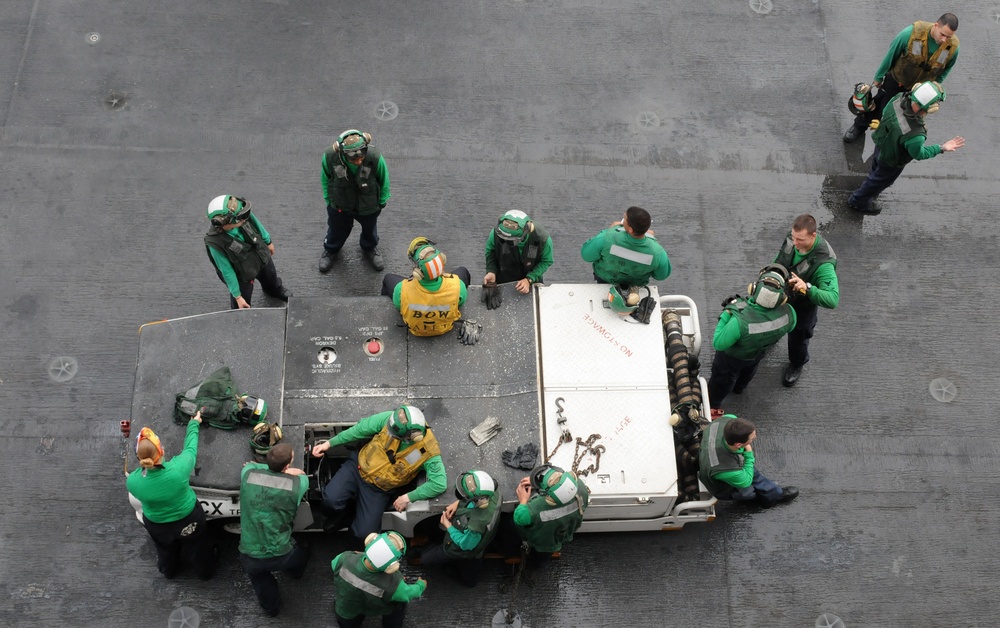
[(610, 378)]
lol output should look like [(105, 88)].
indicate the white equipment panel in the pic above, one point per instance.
[(609, 376)]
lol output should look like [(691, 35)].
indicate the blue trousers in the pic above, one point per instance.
[(880, 178), (339, 225), (729, 374), (264, 585), (346, 486), (762, 487)]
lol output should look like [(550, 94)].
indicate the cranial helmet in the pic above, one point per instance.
[(252, 409), (623, 299), (769, 289), (513, 226), (227, 210), (353, 143), (427, 260), (473, 486), (383, 551), (861, 101), (927, 95), (557, 486), (407, 423)]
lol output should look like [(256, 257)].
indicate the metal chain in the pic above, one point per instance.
[(588, 448)]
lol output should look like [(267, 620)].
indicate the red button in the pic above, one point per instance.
[(374, 346)]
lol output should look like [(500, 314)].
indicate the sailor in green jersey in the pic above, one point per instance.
[(627, 254), (517, 249), (748, 328), (355, 183), (900, 140), (170, 511), (269, 498), (920, 52), (470, 524), (369, 583), (728, 467), (812, 283), (551, 503), (240, 249)]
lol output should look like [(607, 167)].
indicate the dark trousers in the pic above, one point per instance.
[(339, 225), (466, 569), (346, 486), (798, 338), (880, 178), (762, 488), (259, 570), (729, 374), (391, 280), (270, 283), (885, 93), (509, 542), (183, 540), (392, 620)]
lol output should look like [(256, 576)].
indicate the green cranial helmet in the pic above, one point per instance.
[(623, 299), (555, 484), (474, 485), (353, 143), (228, 209), (407, 423), (927, 95), (769, 289), (384, 551), (513, 226)]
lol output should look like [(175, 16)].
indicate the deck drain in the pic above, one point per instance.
[(761, 6), (184, 617), (386, 110), (829, 620), (943, 390), (62, 368), (116, 101), (647, 120), (93, 38)]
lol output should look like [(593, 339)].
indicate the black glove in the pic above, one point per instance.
[(733, 298), (524, 458), (469, 331), (381, 205), (644, 311), (492, 296)]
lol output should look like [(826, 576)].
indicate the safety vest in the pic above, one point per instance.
[(481, 520), (355, 193), (515, 260), (716, 457), (427, 312), (898, 125), (246, 256), (268, 503), (384, 465), (820, 254), (915, 65), (626, 260), (361, 591), (551, 526), (760, 328)]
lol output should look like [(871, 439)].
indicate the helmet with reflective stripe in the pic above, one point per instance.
[(623, 299), (428, 260), (557, 486), (769, 289), (513, 226), (384, 551), (353, 143), (227, 210), (407, 423), (927, 95), (475, 485)]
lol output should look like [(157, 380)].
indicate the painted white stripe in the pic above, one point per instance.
[(632, 256)]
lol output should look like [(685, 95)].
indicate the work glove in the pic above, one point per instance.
[(524, 458), (644, 311), (469, 331), (492, 296), (733, 298)]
